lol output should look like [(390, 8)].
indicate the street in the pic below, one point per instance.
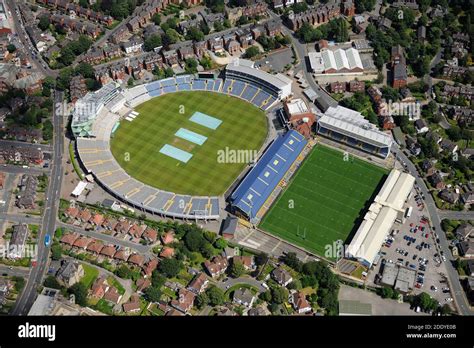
[(28, 296), (453, 277)]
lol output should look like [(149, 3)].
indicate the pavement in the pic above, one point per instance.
[(14, 169), (48, 224), (456, 215), (380, 306), (457, 291)]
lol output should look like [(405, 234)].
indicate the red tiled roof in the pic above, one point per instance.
[(95, 247), (150, 266), (112, 295), (97, 219), (247, 261), (167, 252), (168, 237), (136, 230), (121, 255), (142, 284), (132, 305), (197, 285), (185, 300), (136, 259), (217, 265), (150, 234), (82, 242), (85, 215), (72, 212), (108, 250), (69, 238)]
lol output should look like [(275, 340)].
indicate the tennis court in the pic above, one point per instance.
[(176, 153), (205, 120), (191, 136)]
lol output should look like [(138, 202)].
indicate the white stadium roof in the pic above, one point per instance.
[(352, 123), (278, 80), (378, 221)]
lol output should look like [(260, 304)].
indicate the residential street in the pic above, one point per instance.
[(453, 277)]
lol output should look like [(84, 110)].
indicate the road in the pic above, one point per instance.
[(19, 29), (42, 147), (453, 277), (301, 56), (456, 215), (21, 219), (14, 169), (28, 296), (14, 271), (242, 280), (142, 249)]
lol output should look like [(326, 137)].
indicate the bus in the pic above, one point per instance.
[(408, 212)]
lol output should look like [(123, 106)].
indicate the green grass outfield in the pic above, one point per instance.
[(243, 127), (329, 195)]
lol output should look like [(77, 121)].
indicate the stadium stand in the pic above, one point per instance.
[(387, 207), (94, 128), (352, 128), (264, 177), (244, 70)]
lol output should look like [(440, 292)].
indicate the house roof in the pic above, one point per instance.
[(167, 252)]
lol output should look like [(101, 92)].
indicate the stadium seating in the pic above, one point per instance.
[(237, 88), (199, 85), (249, 93), (217, 85), (184, 86), (170, 89)]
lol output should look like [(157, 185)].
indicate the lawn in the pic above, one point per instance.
[(136, 144), (90, 274), (324, 201)]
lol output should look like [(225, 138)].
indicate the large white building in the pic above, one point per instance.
[(352, 128), (336, 61), (244, 70), (388, 205)]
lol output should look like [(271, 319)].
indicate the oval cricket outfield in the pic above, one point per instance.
[(165, 123)]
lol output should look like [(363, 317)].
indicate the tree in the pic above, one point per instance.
[(191, 66), (279, 294), (206, 62), (386, 292), (220, 243), (85, 69), (52, 282), (152, 294), (194, 34), (171, 36), (236, 269), (194, 240), (56, 252), (157, 279), (215, 295), (152, 42), (201, 300), (44, 22), (11, 48), (130, 82), (207, 250), (261, 259), (79, 291), (291, 260), (170, 267), (123, 272), (215, 5), (156, 18), (454, 133), (251, 52)]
